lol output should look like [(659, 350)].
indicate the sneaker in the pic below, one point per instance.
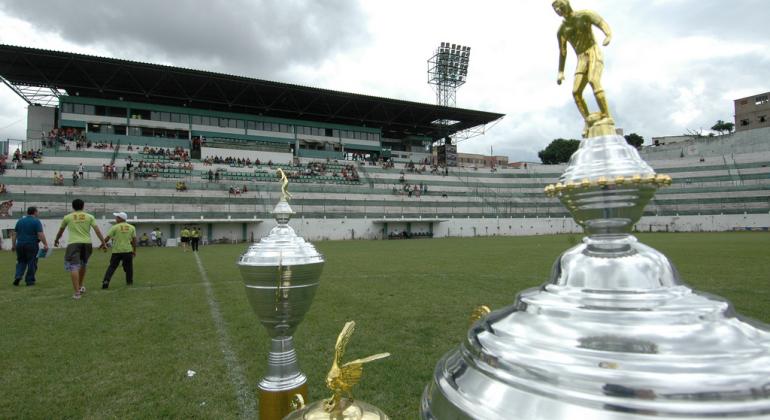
[(82, 290), (16, 282), (76, 296), (105, 285)]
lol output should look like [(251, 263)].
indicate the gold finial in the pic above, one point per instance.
[(478, 313), (620, 180), (577, 30), (284, 185), (343, 377), (585, 183)]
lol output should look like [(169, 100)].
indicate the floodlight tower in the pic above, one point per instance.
[(447, 70)]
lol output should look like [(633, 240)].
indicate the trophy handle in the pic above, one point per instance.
[(478, 313), (297, 402)]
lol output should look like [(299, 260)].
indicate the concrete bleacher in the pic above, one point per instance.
[(734, 184)]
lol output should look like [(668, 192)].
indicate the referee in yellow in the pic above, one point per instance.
[(123, 237)]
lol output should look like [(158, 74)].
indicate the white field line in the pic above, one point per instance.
[(246, 401)]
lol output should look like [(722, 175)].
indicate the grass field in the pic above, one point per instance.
[(125, 352)]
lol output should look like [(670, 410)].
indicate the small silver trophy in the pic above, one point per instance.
[(281, 274)]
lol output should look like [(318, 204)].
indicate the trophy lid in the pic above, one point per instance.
[(614, 334), (282, 247)]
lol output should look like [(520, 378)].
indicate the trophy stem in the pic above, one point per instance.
[(282, 382)]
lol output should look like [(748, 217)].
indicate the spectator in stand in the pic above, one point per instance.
[(81, 170), (74, 178)]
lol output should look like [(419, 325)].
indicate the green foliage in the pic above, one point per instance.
[(559, 151), (723, 127), (124, 352), (634, 140)]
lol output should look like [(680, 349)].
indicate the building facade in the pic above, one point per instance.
[(752, 112)]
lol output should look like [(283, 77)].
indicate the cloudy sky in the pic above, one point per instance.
[(673, 65)]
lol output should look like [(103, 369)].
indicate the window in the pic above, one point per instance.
[(239, 124), (184, 118), (78, 109), (134, 131), (165, 116), (141, 114), (66, 108), (176, 118), (119, 129), (328, 132), (759, 100), (744, 123), (251, 125), (232, 123), (223, 122), (762, 118)]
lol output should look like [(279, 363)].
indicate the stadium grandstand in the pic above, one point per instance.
[(175, 147)]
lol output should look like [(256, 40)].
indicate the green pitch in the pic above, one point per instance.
[(125, 352)]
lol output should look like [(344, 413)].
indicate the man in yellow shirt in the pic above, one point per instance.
[(195, 237), (185, 238), (79, 246), (123, 237)]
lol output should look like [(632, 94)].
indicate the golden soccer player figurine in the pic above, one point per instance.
[(577, 30), (284, 185)]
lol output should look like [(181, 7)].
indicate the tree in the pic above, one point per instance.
[(559, 151), (634, 140), (723, 127)]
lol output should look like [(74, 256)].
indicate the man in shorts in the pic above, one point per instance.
[(185, 238), (79, 248), (123, 238)]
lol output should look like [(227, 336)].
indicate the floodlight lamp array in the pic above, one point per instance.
[(449, 64)]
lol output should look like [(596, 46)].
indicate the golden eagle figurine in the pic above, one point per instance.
[(343, 377)]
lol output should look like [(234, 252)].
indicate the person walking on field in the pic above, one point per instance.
[(123, 237), (185, 238), (24, 240), (195, 237), (79, 248)]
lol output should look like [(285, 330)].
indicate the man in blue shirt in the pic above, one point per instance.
[(24, 240)]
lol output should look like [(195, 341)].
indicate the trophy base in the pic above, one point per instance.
[(275, 405)]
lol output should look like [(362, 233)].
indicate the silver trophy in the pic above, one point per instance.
[(614, 334), (281, 274)]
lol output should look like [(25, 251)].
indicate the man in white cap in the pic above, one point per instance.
[(123, 237)]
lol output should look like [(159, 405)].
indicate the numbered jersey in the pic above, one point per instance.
[(78, 226)]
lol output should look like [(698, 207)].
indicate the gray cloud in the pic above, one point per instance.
[(256, 38)]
